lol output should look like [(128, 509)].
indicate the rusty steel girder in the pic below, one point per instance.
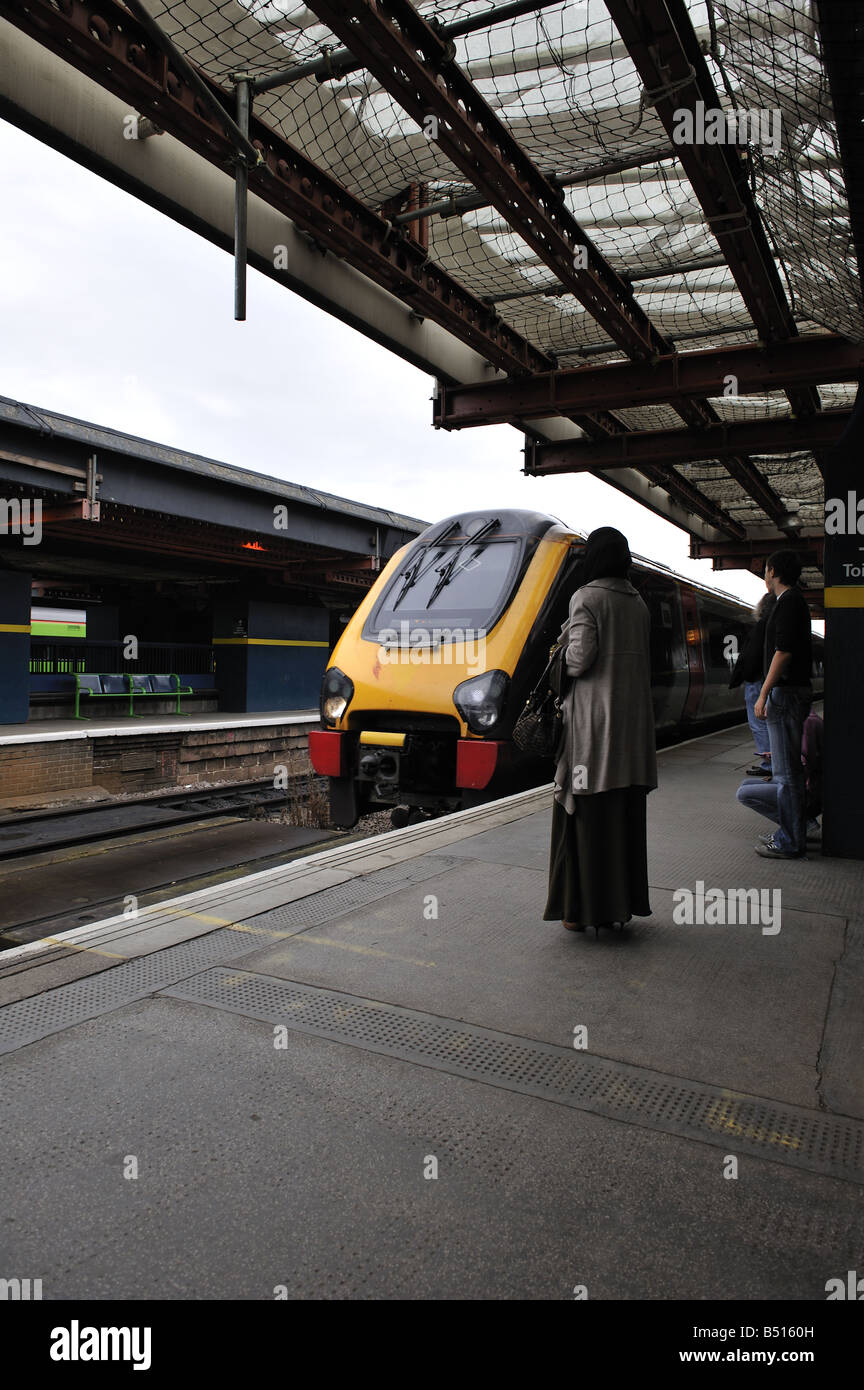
[(774, 436), (661, 41), (103, 40), (691, 498), (756, 368), (414, 63), (746, 554)]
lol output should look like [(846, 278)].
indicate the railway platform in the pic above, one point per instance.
[(376, 1073), (47, 763)]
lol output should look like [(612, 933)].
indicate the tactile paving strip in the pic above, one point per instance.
[(356, 892), (27, 1020), (739, 1124)]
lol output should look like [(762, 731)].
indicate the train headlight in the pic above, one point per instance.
[(336, 694), (481, 700)]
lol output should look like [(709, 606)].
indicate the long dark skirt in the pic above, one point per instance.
[(598, 861)]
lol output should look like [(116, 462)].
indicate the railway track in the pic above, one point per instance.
[(61, 869), (39, 831), (64, 869)]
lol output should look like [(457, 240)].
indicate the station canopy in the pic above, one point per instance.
[(693, 244)]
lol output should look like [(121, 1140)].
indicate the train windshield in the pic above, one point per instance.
[(451, 583)]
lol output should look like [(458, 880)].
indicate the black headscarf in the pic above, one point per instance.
[(607, 556)]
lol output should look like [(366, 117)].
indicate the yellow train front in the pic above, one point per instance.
[(422, 690)]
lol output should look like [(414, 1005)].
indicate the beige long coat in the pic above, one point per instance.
[(608, 715)]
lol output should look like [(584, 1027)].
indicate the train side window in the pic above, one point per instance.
[(666, 628), (724, 637)]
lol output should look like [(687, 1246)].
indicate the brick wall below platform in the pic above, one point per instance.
[(36, 767), (144, 762)]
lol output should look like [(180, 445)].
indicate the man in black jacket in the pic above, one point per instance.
[(785, 701), (749, 671)]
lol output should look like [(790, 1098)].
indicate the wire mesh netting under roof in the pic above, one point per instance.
[(561, 81)]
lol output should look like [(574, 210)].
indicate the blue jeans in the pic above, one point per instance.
[(758, 727), (788, 707), (761, 796)]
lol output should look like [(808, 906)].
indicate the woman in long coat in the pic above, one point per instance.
[(598, 869)]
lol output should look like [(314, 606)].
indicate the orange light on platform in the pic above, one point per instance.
[(693, 636), (252, 545)]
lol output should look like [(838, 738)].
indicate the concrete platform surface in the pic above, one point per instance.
[(376, 1073), (110, 726)]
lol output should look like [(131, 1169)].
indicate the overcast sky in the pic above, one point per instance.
[(113, 313)]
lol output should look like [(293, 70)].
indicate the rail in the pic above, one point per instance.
[(69, 658)]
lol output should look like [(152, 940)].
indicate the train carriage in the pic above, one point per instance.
[(422, 691)]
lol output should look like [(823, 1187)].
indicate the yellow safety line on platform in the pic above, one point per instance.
[(265, 642), (231, 926), (301, 936), (74, 946), (200, 916), (844, 596)]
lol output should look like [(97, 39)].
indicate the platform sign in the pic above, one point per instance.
[(58, 622)]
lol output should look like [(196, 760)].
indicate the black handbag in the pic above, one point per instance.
[(540, 727)]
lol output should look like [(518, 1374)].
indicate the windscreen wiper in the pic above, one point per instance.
[(452, 568), (418, 569)]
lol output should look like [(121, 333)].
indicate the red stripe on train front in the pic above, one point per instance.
[(327, 751), (476, 760)]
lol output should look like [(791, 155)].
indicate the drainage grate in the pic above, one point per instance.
[(330, 902), (30, 1019), (738, 1123)]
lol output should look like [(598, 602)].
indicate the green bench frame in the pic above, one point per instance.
[(176, 689), (130, 693)]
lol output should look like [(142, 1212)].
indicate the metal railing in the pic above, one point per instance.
[(67, 658)]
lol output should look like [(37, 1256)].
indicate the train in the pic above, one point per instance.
[(423, 688)]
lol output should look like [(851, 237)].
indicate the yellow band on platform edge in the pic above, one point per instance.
[(385, 740), (265, 642), (844, 596)]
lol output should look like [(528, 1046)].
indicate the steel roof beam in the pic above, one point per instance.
[(722, 441), (74, 112), (619, 385), (750, 478), (668, 57), (659, 273), (102, 40), (470, 202), (688, 496), (597, 349), (732, 554), (670, 272), (105, 43), (415, 65), (342, 61), (205, 93)]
